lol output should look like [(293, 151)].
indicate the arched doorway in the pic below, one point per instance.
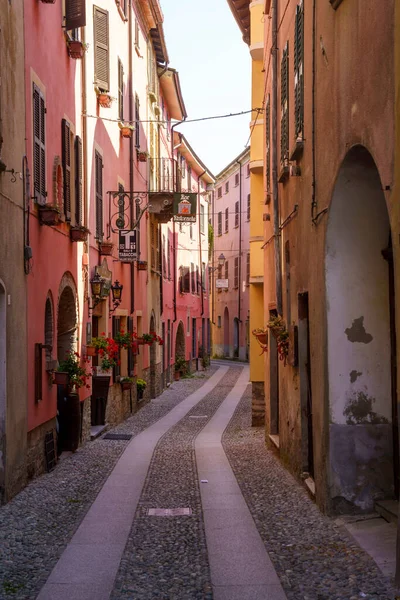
[(236, 337), (152, 360), (68, 406), (3, 391), (359, 325), (180, 349), (226, 331)]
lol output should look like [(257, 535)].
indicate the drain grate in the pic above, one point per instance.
[(169, 512), (117, 436)]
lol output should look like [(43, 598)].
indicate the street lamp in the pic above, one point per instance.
[(96, 286), (116, 291), (221, 260)]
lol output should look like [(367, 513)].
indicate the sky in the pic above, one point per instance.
[(205, 46)]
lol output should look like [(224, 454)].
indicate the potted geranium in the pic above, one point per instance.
[(126, 383), (278, 329), (104, 98), (49, 214), (108, 351), (180, 367), (106, 248), (140, 387), (71, 372), (126, 129), (124, 339), (142, 156)]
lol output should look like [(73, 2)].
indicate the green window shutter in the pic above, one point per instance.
[(66, 164), (99, 195), (78, 181), (298, 71), (285, 104), (39, 146), (75, 14), (101, 48)]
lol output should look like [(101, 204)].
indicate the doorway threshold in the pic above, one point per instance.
[(388, 509), (97, 430), (274, 439)]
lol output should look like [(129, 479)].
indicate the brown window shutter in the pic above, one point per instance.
[(75, 14), (120, 90), (78, 181), (101, 48), (39, 149), (99, 195), (66, 163)]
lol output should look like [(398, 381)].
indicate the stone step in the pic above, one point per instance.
[(97, 430), (388, 509)]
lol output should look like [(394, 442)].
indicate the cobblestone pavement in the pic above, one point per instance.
[(313, 558), (37, 524), (166, 557)]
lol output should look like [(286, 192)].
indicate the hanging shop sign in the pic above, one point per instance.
[(127, 251), (185, 208)]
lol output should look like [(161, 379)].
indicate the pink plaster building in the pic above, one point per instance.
[(231, 260)]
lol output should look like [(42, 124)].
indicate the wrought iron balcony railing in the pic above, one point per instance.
[(164, 176)]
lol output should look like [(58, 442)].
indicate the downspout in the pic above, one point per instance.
[(131, 154), (174, 174), (314, 201), (277, 239), (240, 239), (200, 253)]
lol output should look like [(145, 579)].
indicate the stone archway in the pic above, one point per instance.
[(358, 299), (67, 404), (153, 373), (3, 390), (226, 332)]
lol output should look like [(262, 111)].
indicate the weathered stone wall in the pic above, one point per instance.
[(86, 416), (257, 404), (35, 457), (118, 405)]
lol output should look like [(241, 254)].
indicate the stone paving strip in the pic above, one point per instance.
[(166, 557), (38, 523), (314, 559)]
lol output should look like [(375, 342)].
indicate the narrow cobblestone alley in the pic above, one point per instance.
[(84, 530)]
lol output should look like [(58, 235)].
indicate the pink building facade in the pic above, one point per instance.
[(102, 159), (230, 270)]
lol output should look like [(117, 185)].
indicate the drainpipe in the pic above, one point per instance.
[(174, 173), (314, 201), (277, 239), (131, 153), (200, 254), (240, 239)]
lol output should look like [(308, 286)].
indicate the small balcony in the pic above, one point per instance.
[(164, 181)]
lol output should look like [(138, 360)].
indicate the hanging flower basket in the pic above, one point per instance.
[(126, 383), (49, 215), (142, 265), (278, 329), (277, 326), (76, 49), (142, 156), (61, 378), (261, 336), (78, 233), (104, 99), (126, 129), (106, 248), (91, 351)]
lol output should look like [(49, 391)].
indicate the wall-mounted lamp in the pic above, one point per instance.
[(96, 286), (116, 290), (221, 262)]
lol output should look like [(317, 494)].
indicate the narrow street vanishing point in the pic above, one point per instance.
[(170, 506)]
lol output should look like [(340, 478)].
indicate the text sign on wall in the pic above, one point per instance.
[(185, 208), (221, 283), (127, 245)]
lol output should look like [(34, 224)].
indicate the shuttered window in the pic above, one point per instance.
[(248, 269), (236, 214), (101, 48), (75, 14), (236, 277), (220, 223), (285, 104), (298, 71), (226, 220), (99, 195), (227, 269), (193, 278), (78, 181), (120, 90), (185, 280), (248, 207), (39, 146), (268, 142), (66, 165)]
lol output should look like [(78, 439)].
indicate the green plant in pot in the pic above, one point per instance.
[(140, 387), (74, 373), (126, 383), (108, 351), (180, 365)]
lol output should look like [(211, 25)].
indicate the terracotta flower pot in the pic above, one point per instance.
[(61, 378), (106, 248), (142, 265), (262, 338), (142, 156), (126, 132), (104, 100), (126, 386), (78, 234), (91, 351), (49, 215), (76, 49)]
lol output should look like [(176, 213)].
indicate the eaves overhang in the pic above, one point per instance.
[(171, 89), (182, 145), (241, 11)]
